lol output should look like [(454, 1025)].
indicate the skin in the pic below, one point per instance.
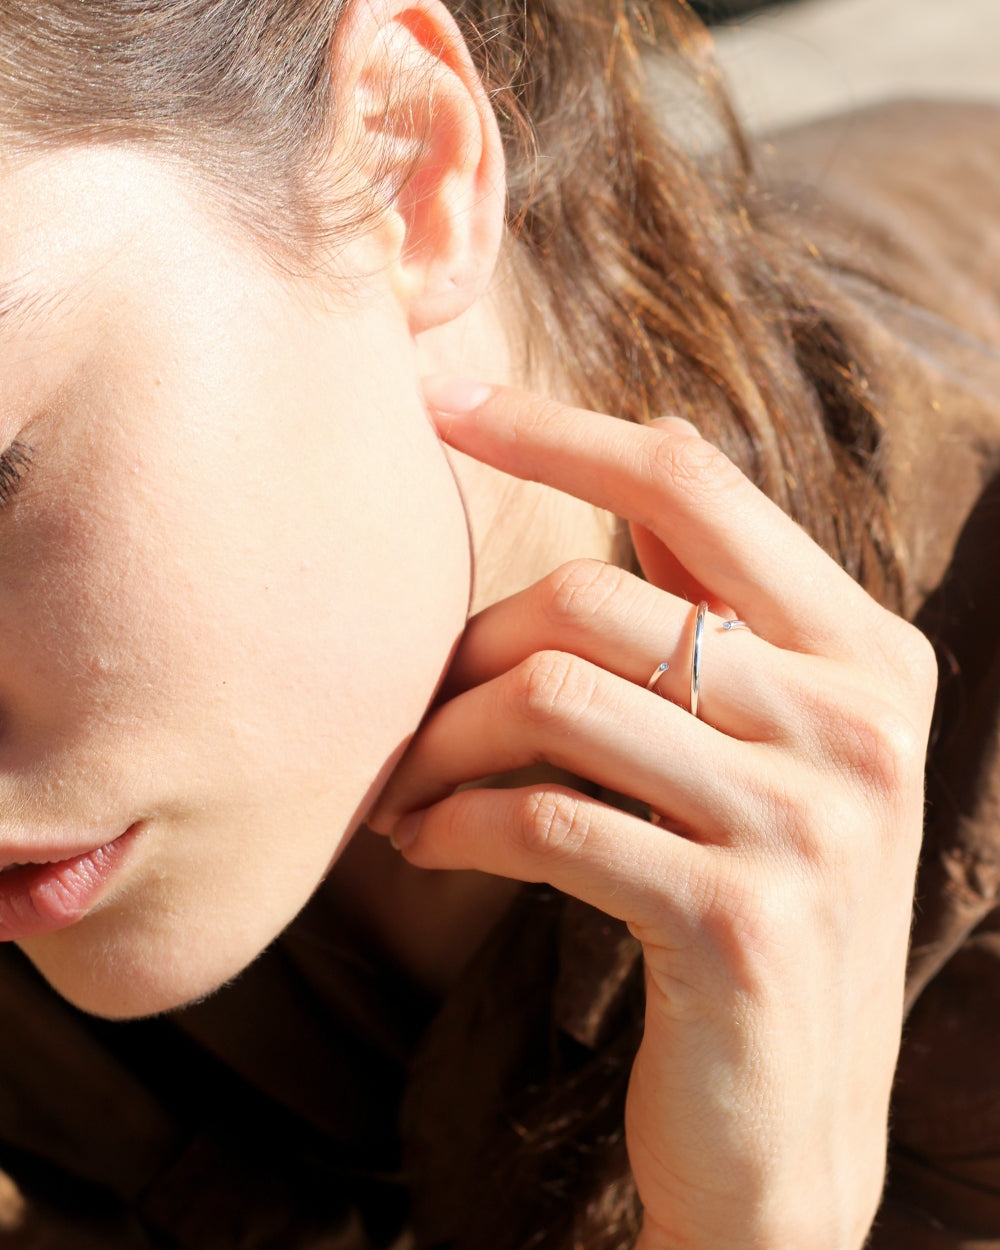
[(233, 475), (772, 894), (240, 567), (194, 625)]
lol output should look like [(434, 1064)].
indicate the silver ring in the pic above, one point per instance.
[(699, 633), (657, 674)]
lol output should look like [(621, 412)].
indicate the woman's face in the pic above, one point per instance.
[(229, 582)]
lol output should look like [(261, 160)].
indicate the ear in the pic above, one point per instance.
[(420, 124)]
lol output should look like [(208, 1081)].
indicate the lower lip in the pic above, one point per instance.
[(41, 898)]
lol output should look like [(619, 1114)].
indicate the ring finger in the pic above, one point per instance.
[(622, 624)]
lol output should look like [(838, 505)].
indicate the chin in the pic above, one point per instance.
[(123, 997), (126, 981)]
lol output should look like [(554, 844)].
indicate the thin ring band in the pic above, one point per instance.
[(699, 633), (657, 674)]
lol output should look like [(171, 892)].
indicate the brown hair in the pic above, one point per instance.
[(656, 280), (658, 288)]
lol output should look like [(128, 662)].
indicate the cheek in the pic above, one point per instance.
[(311, 631), (227, 594), (237, 664)]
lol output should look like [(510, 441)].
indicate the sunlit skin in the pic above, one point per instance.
[(241, 565), (233, 576), (229, 583), (236, 571)]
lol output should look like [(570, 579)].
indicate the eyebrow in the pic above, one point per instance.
[(23, 304)]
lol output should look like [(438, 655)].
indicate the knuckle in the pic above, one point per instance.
[(743, 917), (693, 466), (909, 655), (579, 590), (870, 723), (884, 748), (919, 661), (899, 742), (792, 808), (831, 822), (807, 815), (553, 823), (860, 751), (550, 687)]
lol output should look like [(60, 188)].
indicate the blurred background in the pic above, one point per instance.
[(800, 59)]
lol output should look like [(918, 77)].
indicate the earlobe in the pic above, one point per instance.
[(423, 128)]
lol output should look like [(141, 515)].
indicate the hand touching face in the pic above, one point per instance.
[(772, 889)]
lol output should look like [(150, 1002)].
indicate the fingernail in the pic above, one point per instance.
[(405, 833), (375, 821), (455, 395)]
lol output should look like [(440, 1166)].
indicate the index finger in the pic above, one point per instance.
[(726, 532)]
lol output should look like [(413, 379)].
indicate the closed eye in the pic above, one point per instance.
[(14, 464)]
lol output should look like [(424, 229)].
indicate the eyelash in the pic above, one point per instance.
[(14, 464)]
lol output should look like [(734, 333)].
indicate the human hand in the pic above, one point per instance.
[(772, 898)]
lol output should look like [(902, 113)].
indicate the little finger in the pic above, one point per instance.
[(614, 861)]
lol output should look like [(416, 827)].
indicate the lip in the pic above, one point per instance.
[(43, 897)]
